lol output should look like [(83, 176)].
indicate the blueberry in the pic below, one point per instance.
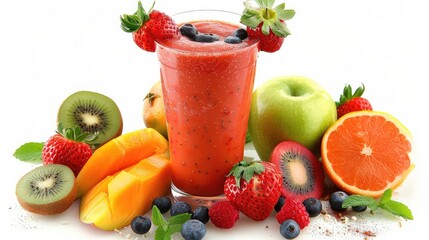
[(188, 30), (163, 203), (232, 40), (201, 213), (279, 203), (206, 38), (141, 224), (289, 229), (313, 206), (336, 200), (179, 208), (240, 33), (193, 230), (359, 208)]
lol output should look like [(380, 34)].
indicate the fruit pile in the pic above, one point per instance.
[(303, 138)]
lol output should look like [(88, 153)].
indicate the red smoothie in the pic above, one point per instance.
[(207, 90)]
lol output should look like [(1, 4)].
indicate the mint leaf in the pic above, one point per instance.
[(385, 202), (358, 200), (167, 228), (30, 152), (179, 219), (161, 234), (157, 218), (398, 209), (387, 195)]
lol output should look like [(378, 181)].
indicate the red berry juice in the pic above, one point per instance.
[(207, 90)]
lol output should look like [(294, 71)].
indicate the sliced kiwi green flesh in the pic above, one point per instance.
[(47, 190), (92, 112)]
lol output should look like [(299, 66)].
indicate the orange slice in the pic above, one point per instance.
[(367, 152)]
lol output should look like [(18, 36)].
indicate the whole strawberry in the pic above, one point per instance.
[(254, 188), (351, 102), (68, 147), (147, 27), (267, 23)]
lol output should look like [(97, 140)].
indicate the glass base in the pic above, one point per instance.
[(193, 200)]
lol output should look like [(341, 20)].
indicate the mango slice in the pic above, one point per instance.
[(118, 154), (117, 199)]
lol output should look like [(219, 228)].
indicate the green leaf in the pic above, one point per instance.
[(161, 234), (179, 219), (387, 195), (385, 203), (398, 209), (30, 152), (280, 29), (157, 218), (172, 229), (358, 200), (286, 14)]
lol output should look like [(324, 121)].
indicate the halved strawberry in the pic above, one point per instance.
[(267, 23), (147, 27)]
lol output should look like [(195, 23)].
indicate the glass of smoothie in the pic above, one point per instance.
[(207, 85)]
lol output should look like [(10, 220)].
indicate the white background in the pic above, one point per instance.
[(52, 48)]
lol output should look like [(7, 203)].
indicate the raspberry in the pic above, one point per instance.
[(295, 210), (223, 214)]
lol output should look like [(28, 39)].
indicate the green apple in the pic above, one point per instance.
[(290, 108)]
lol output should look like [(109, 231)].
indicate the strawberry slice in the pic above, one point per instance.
[(147, 27), (267, 23)]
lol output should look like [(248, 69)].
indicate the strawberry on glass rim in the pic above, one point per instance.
[(147, 27), (267, 23)]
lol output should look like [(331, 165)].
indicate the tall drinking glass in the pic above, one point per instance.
[(207, 89)]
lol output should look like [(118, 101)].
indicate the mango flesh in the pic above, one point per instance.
[(117, 199), (118, 154)]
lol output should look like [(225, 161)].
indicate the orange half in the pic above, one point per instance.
[(367, 152)]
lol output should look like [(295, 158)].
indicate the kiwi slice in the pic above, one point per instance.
[(92, 112), (47, 190)]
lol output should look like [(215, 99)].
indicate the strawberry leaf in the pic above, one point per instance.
[(30, 152)]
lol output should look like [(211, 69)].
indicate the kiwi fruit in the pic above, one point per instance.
[(47, 189), (302, 172), (92, 112)]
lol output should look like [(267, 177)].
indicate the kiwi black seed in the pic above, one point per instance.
[(92, 112), (47, 190), (302, 172)]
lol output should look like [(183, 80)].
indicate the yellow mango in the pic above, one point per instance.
[(117, 199), (118, 154)]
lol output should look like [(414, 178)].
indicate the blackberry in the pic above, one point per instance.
[(336, 200), (163, 203), (313, 206), (179, 208), (290, 229), (193, 230), (141, 224), (201, 213)]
